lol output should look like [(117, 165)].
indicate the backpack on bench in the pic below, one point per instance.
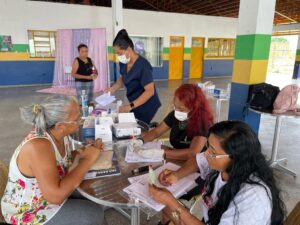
[(262, 96), (287, 100)]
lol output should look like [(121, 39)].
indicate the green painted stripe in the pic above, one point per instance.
[(166, 50), (187, 50), (205, 50), (298, 52), (253, 46), (20, 48), (110, 49)]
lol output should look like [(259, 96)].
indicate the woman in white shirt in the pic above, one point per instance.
[(240, 187)]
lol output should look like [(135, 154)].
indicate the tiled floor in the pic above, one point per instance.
[(12, 131)]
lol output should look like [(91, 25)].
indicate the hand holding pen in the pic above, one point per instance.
[(168, 177)]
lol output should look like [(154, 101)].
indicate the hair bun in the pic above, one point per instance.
[(123, 33)]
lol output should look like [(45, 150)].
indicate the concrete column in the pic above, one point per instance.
[(255, 24), (296, 73), (117, 13)]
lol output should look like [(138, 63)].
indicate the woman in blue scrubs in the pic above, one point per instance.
[(136, 75)]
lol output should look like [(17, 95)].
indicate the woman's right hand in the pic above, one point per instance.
[(168, 177), (110, 89), (90, 154)]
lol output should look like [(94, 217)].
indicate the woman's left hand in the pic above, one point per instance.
[(125, 109), (160, 195), (94, 76)]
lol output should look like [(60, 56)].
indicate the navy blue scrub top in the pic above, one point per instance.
[(135, 80)]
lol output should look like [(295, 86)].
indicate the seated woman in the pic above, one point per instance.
[(39, 180), (189, 123), (240, 187)]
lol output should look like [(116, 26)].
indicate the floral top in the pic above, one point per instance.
[(23, 201)]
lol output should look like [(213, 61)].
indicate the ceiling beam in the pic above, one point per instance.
[(203, 6), (290, 19)]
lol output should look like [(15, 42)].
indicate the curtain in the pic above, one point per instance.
[(67, 41)]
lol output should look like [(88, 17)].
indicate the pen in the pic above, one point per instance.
[(140, 170)]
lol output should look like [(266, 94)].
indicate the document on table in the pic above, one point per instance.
[(140, 190), (150, 152), (105, 99)]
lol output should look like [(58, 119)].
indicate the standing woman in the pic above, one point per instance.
[(84, 72), (136, 75)]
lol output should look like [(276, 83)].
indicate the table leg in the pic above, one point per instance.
[(274, 162), (276, 139), (135, 216), (218, 110)]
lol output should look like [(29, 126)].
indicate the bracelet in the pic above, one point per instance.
[(176, 214)]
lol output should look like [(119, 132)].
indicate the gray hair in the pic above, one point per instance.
[(45, 115)]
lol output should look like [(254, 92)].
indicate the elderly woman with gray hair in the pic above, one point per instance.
[(40, 182)]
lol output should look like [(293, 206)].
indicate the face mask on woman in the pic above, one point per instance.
[(181, 116), (123, 59)]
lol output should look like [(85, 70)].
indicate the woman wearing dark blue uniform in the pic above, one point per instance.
[(136, 75)]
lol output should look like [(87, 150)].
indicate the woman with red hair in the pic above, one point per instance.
[(189, 123)]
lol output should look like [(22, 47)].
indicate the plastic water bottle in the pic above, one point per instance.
[(84, 104)]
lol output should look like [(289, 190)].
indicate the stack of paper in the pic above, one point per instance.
[(150, 152), (105, 99), (139, 187), (126, 118)]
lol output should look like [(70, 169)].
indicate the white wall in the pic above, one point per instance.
[(172, 24), (17, 16)]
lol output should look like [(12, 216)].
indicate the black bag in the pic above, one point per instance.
[(262, 96)]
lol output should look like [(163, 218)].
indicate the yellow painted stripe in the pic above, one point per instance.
[(111, 57), (20, 56), (217, 58), (187, 56), (249, 71), (298, 58), (166, 56)]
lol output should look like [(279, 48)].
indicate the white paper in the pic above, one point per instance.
[(126, 118), (103, 132), (104, 120), (105, 99), (152, 153), (139, 186), (132, 157)]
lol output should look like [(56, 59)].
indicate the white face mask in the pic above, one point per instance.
[(123, 59), (181, 116)]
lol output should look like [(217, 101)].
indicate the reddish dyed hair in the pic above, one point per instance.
[(200, 115)]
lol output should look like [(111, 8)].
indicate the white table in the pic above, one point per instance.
[(274, 161)]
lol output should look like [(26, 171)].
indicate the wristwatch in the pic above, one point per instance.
[(131, 104)]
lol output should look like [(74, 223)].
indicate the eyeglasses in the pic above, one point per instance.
[(74, 122), (214, 156)]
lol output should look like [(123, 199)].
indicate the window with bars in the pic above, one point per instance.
[(221, 47), (42, 43)]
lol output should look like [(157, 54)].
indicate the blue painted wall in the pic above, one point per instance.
[(26, 72), (41, 72), (158, 72), (186, 68), (213, 68)]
